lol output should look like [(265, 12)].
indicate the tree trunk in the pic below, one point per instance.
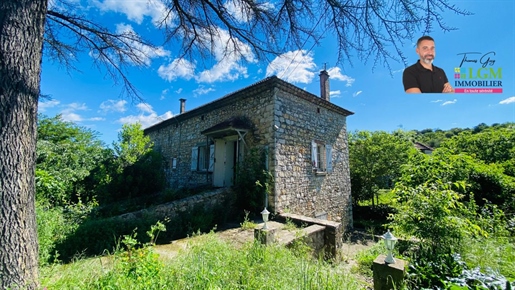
[(21, 40)]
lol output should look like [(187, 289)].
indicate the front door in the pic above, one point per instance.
[(225, 161)]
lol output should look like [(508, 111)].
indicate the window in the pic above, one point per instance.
[(321, 156), (202, 158)]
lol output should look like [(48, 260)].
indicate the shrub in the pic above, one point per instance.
[(435, 215)]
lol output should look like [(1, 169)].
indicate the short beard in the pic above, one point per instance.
[(427, 61)]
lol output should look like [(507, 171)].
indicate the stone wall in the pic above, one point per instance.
[(298, 188), (286, 119), (176, 138), (209, 200)]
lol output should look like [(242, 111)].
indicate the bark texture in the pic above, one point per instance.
[(21, 39)]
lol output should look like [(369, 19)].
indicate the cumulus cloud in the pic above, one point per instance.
[(146, 117), (357, 93), (69, 112), (335, 94), (113, 106), (242, 12), (449, 102), (336, 74), (293, 66), (202, 91), (43, 106), (507, 101), (227, 54), (144, 53), (178, 68), (136, 10)]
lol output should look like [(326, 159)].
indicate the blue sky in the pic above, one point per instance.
[(89, 98)]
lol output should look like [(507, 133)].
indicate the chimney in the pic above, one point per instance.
[(324, 85), (183, 105)]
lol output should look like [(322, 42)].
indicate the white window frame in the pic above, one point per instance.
[(321, 156), (202, 158)]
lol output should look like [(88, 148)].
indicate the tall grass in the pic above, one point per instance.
[(209, 263), (497, 254)]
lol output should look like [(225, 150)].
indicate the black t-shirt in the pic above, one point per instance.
[(417, 76)]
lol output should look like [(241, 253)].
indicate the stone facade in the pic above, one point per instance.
[(305, 135)]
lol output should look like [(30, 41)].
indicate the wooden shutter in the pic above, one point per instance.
[(314, 161), (329, 157), (211, 157), (194, 158)]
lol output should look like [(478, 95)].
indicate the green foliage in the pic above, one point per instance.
[(494, 253), (209, 263), (66, 153), (485, 181), (146, 176), (132, 144), (249, 196), (365, 258), (55, 224), (435, 214), (492, 145), (247, 224), (433, 273), (95, 236), (375, 160)]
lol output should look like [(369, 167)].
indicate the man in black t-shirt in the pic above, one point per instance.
[(423, 76)]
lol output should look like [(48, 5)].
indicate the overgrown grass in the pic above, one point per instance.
[(209, 263), (385, 197), (497, 254)]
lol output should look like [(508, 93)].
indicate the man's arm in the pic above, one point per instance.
[(413, 91), (447, 88)]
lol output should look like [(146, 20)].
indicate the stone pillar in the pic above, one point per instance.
[(388, 275), (265, 236)]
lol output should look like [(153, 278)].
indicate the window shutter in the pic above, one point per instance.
[(194, 158), (329, 157), (211, 157), (314, 160)]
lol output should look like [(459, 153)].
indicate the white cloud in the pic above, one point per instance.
[(228, 55), (43, 106), (335, 94), (71, 117), (147, 116), (357, 93), (202, 91), (436, 101), (508, 101), (449, 102), (145, 108), (136, 10), (113, 106), (179, 67), (75, 107), (179, 90), (144, 53), (293, 66), (336, 74), (241, 13)]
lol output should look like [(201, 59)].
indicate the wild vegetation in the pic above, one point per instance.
[(453, 210)]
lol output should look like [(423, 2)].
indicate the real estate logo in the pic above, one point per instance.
[(477, 73)]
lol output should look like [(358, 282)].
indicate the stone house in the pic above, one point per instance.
[(305, 137)]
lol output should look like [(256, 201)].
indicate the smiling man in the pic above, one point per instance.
[(423, 76)]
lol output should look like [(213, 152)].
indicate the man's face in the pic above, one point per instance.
[(426, 51)]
